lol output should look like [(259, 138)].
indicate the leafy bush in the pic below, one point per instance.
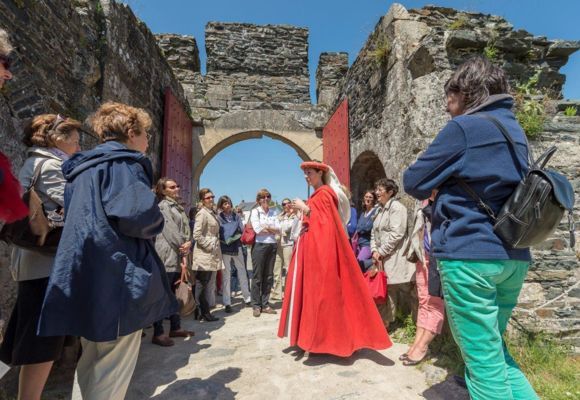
[(570, 111), (531, 115), (490, 52), (529, 110)]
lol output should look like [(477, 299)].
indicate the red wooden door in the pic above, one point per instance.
[(177, 145), (336, 144)]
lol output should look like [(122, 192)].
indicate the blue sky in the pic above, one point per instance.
[(335, 25)]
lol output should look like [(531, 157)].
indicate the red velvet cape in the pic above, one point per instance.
[(327, 305), (11, 206)]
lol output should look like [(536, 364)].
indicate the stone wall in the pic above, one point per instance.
[(550, 299), (397, 105), (72, 56), (332, 67)]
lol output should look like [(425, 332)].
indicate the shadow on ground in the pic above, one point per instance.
[(315, 360), (158, 366), (446, 390), (213, 387)]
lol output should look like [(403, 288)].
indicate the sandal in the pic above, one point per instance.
[(410, 363)]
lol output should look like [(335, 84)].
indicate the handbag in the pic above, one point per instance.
[(249, 235), (536, 206), (377, 286), (185, 299), (38, 231)]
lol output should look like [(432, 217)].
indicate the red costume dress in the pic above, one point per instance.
[(327, 304), (11, 206)]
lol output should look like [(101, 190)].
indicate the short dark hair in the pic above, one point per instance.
[(388, 185), (477, 79), (222, 200)]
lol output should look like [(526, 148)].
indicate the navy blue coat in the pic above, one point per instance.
[(228, 230), (107, 280), (474, 149)]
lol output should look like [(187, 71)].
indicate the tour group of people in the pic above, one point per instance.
[(126, 244)]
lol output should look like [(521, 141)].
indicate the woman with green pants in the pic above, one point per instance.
[(481, 276)]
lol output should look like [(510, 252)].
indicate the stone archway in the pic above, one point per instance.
[(365, 171)]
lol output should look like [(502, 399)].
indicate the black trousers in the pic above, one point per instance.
[(175, 319), (263, 259), (203, 277)]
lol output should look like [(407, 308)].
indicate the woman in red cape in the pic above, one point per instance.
[(327, 304)]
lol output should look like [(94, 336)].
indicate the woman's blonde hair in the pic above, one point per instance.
[(113, 121), (5, 45), (261, 194), (46, 129)]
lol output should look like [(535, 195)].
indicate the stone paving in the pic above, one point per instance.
[(240, 357)]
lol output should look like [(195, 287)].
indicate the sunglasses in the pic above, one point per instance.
[(286, 204), (5, 61), (57, 121), (268, 196)]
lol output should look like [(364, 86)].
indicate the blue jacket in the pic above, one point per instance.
[(474, 149), (227, 231), (107, 279), (364, 227)]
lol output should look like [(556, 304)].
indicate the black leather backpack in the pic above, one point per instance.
[(537, 205)]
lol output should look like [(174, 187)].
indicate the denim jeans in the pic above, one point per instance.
[(479, 297)]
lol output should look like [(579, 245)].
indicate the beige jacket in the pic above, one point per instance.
[(388, 239), (207, 254), (27, 264)]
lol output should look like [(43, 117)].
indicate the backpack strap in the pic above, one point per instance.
[(37, 172), (508, 137), (513, 150)]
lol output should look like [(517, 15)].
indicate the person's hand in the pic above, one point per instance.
[(377, 257), (185, 247), (433, 194), (299, 204), (373, 271)]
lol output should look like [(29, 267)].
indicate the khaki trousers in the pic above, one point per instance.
[(105, 369), (283, 256)]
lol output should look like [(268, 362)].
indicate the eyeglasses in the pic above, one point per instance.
[(209, 197), (5, 61), (268, 196)]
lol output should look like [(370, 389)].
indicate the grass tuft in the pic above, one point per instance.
[(570, 111)]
